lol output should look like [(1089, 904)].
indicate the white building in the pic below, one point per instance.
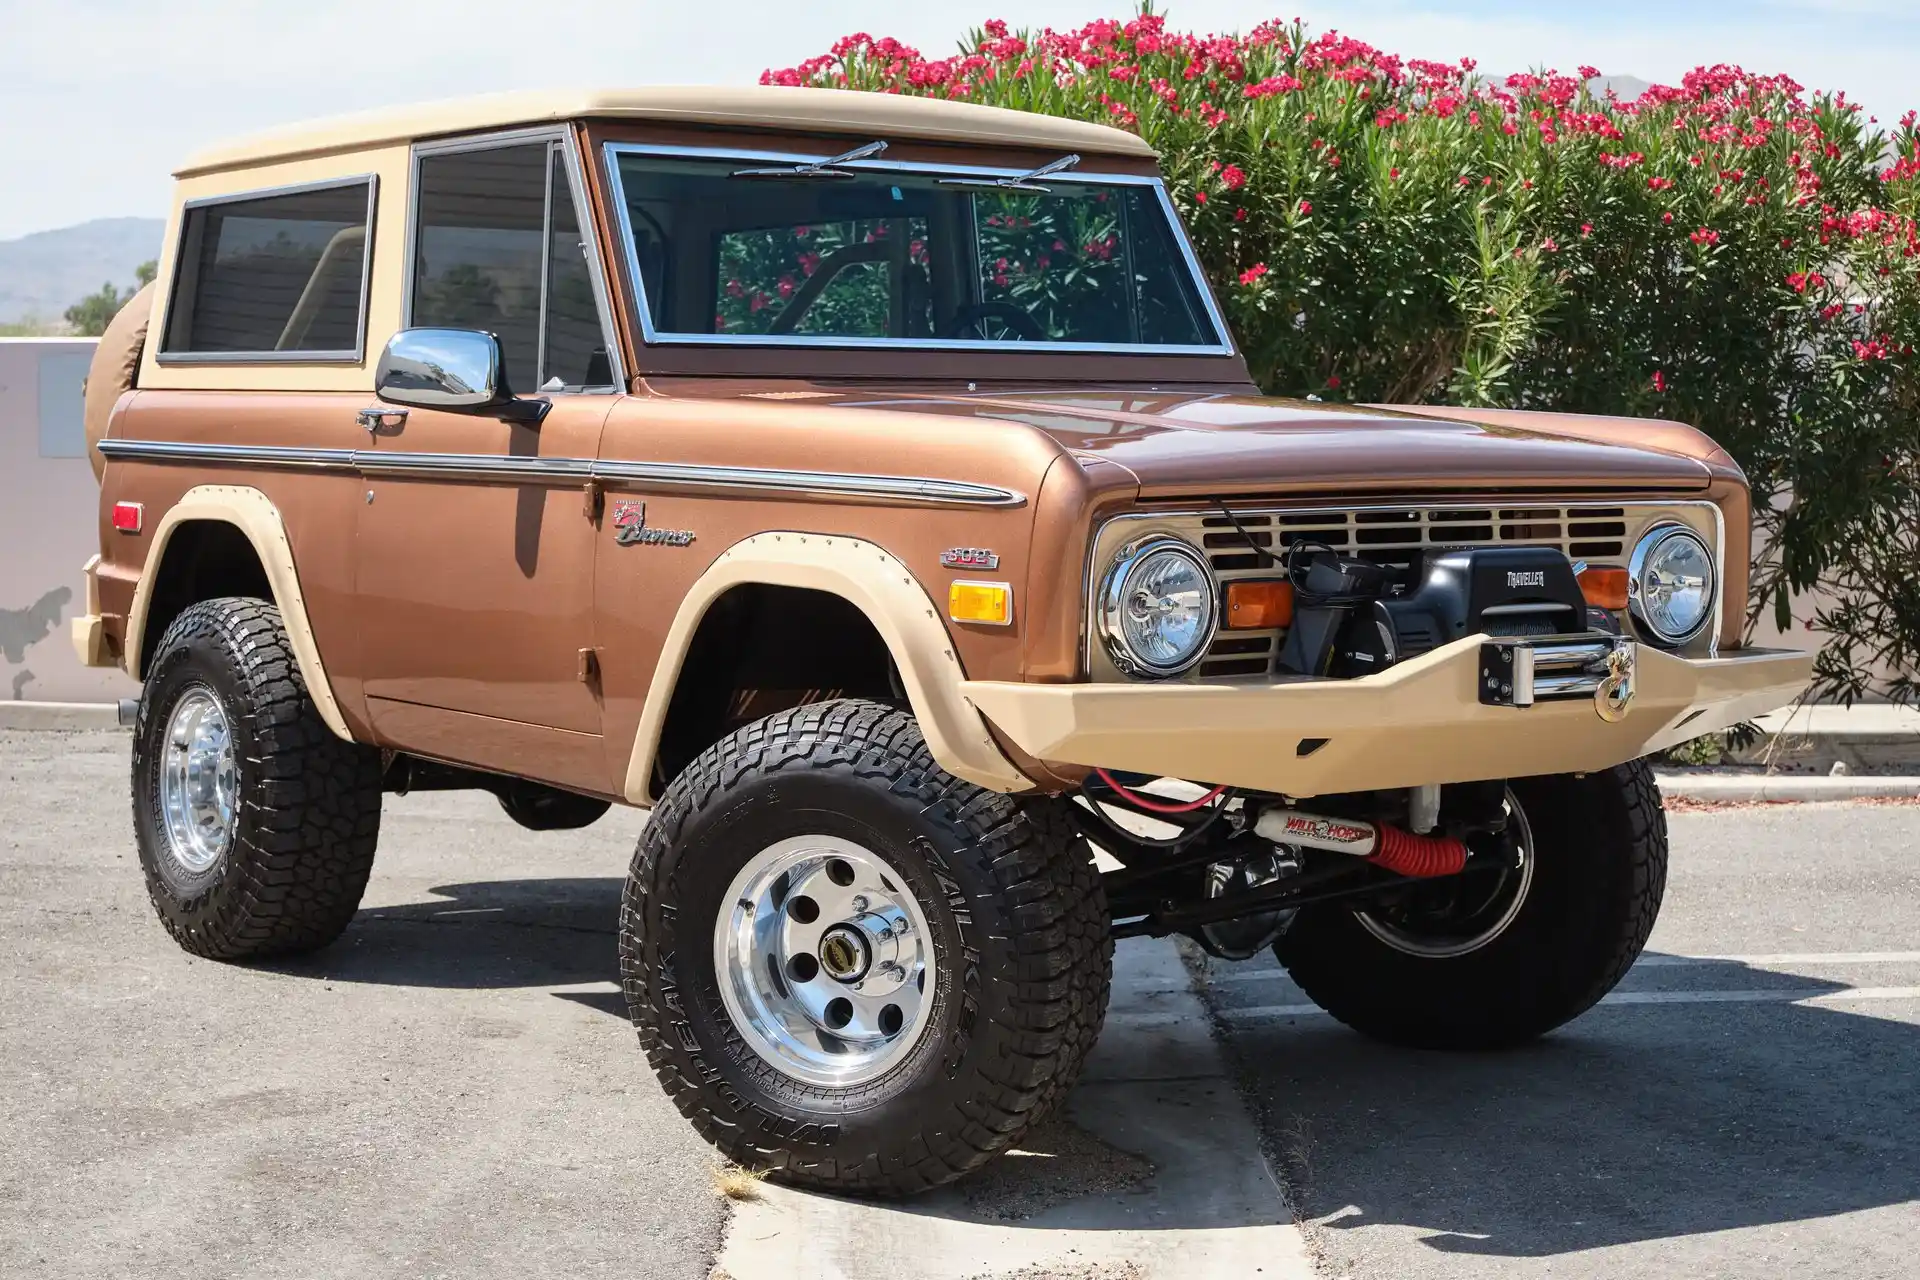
[(49, 523)]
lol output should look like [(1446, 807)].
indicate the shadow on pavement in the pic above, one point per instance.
[(1636, 1122), (482, 936)]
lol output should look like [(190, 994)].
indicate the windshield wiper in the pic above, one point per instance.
[(817, 168), (1019, 181)]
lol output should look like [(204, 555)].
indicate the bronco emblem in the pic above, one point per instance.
[(630, 528)]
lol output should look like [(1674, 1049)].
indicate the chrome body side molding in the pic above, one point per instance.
[(614, 473)]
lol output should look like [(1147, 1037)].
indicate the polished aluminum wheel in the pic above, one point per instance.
[(824, 960), (1462, 914), (198, 781)]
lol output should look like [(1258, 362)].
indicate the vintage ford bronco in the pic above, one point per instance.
[(870, 486)]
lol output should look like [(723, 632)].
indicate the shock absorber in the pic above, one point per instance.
[(1398, 851)]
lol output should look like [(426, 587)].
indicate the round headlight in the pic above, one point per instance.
[(1157, 607), (1670, 583)]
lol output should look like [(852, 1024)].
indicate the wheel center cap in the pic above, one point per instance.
[(844, 953)]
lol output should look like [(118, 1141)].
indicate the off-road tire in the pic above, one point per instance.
[(1000, 885), (308, 803), (1090, 943), (1600, 868)]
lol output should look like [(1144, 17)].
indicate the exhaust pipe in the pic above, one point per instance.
[(1398, 851)]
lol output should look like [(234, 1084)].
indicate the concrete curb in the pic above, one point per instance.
[(1782, 788), (1156, 1085), (59, 715)]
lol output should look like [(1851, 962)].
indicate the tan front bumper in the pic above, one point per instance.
[(1416, 723)]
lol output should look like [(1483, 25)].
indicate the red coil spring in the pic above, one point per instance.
[(1421, 856)]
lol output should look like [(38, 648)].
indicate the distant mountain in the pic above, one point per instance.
[(43, 274)]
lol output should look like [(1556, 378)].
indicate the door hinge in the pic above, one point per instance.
[(594, 500), (589, 669)]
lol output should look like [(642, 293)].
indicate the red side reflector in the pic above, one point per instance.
[(127, 516), (1605, 588)]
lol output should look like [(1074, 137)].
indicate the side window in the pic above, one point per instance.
[(273, 275), (498, 248)]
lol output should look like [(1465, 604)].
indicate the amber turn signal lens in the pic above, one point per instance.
[(1259, 606), (988, 602), (1604, 588)]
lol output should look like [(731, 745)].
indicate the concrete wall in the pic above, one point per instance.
[(48, 529)]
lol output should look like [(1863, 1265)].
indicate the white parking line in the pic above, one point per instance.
[(1662, 961), (1796, 957), (1269, 1012), (1158, 1085)]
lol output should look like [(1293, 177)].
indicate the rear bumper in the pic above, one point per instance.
[(97, 636), (1420, 722)]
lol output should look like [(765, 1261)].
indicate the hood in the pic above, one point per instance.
[(1203, 444), (1197, 443)]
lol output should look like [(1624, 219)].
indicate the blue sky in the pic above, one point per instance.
[(101, 97)]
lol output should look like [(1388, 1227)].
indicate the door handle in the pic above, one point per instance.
[(376, 418)]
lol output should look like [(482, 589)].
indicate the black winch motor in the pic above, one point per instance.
[(1352, 617)]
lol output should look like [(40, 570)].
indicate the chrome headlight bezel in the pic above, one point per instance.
[(1651, 542), (1132, 560)]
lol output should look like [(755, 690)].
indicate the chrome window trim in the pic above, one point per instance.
[(562, 136), (842, 486), (356, 356), (652, 336), (1090, 577)]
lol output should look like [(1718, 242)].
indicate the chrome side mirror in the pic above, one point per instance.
[(452, 370)]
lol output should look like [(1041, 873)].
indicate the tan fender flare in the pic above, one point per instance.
[(885, 591), (254, 514)]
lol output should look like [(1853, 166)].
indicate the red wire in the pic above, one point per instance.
[(1157, 806)]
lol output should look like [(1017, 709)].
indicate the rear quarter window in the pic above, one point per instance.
[(273, 276)]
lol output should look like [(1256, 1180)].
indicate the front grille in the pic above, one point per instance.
[(1394, 535), (1388, 536)]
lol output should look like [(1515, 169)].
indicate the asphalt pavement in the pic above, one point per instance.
[(452, 1089), (1747, 1104)]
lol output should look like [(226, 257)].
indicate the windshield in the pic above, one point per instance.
[(732, 249)]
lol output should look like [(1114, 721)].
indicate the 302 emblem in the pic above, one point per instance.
[(969, 558), (630, 528)]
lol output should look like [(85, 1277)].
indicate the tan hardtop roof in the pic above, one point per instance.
[(880, 115)]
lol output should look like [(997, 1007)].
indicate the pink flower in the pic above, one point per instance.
[(1333, 380), (1586, 229), (1659, 381), (1705, 236), (1306, 207), (1253, 273), (1393, 175), (1666, 217), (1233, 177), (1549, 245), (1199, 197), (1239, 215)]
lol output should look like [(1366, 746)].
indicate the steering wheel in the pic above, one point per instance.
[(993, 320)]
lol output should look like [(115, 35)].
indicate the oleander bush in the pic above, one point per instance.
[(1733, 252)]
